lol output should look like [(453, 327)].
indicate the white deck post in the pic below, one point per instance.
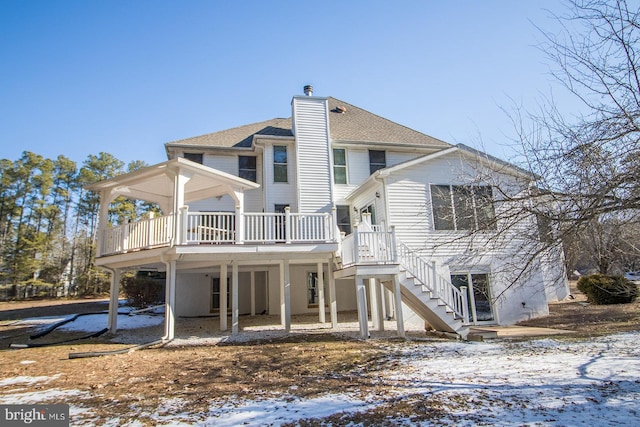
[(103, 221), (183, 226), (465, 304), (287, 224), (361, 296), (180, 182), (321, 293), (285, 295), (234, 298), (113, 301), (239, 195), (376, 305), (334, 231), (170, 303), (253, 293), (333, 302), (398, 306), (223, 297)]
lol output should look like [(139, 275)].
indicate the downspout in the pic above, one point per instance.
[(385, 194)]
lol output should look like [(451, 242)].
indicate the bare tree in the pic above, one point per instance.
[(588, 164)]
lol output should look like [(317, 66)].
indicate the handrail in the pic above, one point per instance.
[(218, 227), (369, 247), (142, 234), (441, 288)]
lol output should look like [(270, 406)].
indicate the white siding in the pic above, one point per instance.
[(358, 169), (280, 193), (193, 292), (409, 202), (395, 157), (229, 164), (312, 154)]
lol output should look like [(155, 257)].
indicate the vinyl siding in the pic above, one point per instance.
[(229, 164), (409, 201), (312, 154), (280, 193)]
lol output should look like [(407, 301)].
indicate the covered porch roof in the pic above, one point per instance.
[(156, 184)]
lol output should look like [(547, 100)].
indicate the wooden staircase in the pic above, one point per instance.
[(429, 307), (427, 293)]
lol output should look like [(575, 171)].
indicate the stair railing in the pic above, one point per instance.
[(427, 275)]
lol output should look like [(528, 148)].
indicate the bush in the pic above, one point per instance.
[(142, 291), (601, 289)]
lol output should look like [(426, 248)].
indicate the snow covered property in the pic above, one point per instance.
[(334, 209)]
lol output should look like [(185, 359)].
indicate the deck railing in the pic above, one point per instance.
[(369, 247), (210, 227), (381, 247), (142, 234), (427, 275), (218, 227)]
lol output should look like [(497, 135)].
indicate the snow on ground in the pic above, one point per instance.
[(541, 382), (544, 382), (99, 321), (93, 322)]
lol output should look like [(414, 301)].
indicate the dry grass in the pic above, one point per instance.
[(314, 364), (589, 319), (301, 365)]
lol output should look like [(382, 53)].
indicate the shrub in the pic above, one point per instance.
[(601, 289), (142, 291)]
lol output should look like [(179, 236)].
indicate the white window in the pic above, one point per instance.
[(377, 160), (462, 207), (280, 163), (339, 166), (247, 168)]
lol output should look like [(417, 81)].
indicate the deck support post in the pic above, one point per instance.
[(333, 301), (113, 301), (397, 297), (361, 297), (321, 312), (170, 304), (223, 297), (253, 293), (234, 298), (376, 305), (285, 295)]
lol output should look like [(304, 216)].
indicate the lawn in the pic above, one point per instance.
[(591, 377)]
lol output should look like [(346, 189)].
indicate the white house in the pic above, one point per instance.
[(333, 209)]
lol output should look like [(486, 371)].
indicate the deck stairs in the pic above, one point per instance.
[(426, 292), (431, 308)]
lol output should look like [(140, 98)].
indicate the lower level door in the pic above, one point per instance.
[(479, 295)]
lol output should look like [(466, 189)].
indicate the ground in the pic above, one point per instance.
[(589, 377)]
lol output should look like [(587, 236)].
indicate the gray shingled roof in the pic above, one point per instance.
[(352, 125), (240, 136), (356, 124)]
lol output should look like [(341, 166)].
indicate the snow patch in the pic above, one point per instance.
[(25, 380)]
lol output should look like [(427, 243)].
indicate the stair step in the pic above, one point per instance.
[(477, 334)]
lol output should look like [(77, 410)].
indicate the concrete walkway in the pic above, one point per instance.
[(488, 332)]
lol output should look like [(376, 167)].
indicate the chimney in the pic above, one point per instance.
[(308, 90)]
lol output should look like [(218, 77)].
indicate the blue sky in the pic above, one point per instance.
[(80, 77)]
